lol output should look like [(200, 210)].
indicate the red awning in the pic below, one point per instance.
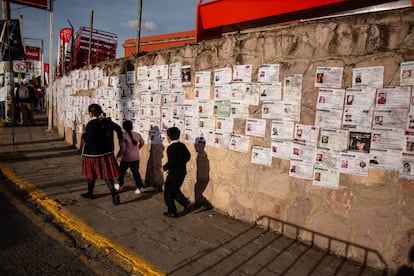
[(219, 16)]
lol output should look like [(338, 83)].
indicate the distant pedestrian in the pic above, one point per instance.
[(98, 157), (153, 176), (130, 155), (176, 166), (26, 100), (3, 96), (203, 174)]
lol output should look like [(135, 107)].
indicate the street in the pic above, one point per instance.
[(30, 245)]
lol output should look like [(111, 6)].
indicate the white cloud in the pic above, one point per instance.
[(147, 26)]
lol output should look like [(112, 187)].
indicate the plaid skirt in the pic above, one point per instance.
[(103, 167)]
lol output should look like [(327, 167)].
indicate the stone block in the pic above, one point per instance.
[(340, 201)]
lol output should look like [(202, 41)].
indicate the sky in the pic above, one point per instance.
[(118, 17)]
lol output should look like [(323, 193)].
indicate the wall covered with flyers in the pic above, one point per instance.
[(310, 123)]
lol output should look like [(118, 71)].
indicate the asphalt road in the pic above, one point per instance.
[(30, 245)]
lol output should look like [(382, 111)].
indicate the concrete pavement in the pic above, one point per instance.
[(136, 235)]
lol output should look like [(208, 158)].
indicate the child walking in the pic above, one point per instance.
[(176, 166), (130, 154), (98, 160)]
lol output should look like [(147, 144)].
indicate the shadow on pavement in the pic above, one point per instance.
[(264, 252)]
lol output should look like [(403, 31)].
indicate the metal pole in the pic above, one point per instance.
[(51, 72), (90, 39), (5, 13), (139, 27)]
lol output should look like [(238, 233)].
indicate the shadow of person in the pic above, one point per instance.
[(203, 175), (407, 270)]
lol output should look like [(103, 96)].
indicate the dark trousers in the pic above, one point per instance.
[(134, 167), (172, 192)]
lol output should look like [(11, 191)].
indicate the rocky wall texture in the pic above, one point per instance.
[(368, 217)]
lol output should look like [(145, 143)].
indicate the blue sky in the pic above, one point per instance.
[(119, 17)]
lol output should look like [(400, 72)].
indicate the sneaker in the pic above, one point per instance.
[(116, 186), (137, 191)]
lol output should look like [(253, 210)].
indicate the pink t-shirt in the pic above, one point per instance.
[(129, 151)]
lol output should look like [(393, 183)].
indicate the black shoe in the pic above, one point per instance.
[(208, 206), (116, 200), (87, 195), (187, 207), (172, 215)]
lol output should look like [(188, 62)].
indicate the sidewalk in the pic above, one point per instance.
[(137, 235)]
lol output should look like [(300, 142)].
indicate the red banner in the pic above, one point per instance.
[(41, 4), (32, 53)]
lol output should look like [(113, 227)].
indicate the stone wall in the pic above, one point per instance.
[(371, 214)]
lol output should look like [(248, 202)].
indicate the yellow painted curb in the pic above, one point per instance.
[(114, 251)]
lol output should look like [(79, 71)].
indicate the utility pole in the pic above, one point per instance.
[(90, 38), (139, 27), (51, 72), (5, 15)]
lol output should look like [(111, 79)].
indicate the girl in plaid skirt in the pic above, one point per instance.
[(98, 160)]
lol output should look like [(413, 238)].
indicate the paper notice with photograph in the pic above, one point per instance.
[(224, 124), (359, 142), (271, 91), (333, 139), (164, 86), (272, 110), (291, 110), (281, 149), (306, 134), (368, 76), (239, 109), (191, 121), (354, 163), (205, 108), (186, 75), (268, 73), (392, 118), (326, 177), (303, 152), (393, 97), (330, 98), (387, 138), (141, 74), (220, 140), (328, 118), (202, 92), (301, 169), (386, 159), (174, 70), (261, 156), (329, 77), (292, 87), (282, 130), (222, 92), (407, 73), (238, 91), (190, 135), (408, 143), (255, 127), (357, 118), (221, 109), (406, 168), (207, 123), (222, 75), (242, 73), (239, 143), (327, 158), (252, 94), (362, 97), (202, 78)]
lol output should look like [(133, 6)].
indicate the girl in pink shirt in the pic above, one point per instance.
[(129, 154)]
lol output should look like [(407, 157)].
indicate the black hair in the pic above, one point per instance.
[(104, 123), (173, 133), (127, 125)]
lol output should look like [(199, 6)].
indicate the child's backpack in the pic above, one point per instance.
[(24, 92)]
